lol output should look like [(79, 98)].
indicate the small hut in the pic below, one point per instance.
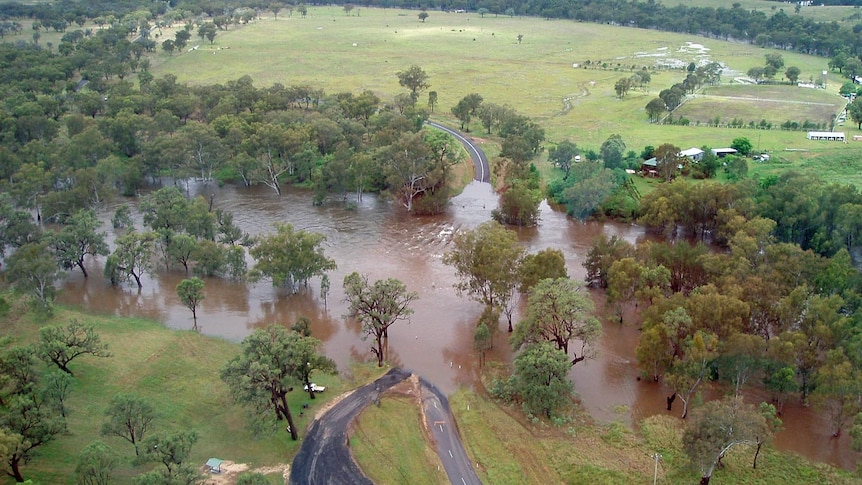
[(213, 465)]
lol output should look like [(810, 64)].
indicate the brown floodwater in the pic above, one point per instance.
[(379, 240)]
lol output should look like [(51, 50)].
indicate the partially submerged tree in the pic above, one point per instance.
[(720, 426), (290, 257), (377, 307), (77, 239), (559, 311), (486, 260), (61, 345), (32, 270), (191, 292), (131, 258)]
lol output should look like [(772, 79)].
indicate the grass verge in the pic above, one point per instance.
[(388, 444), (511, 450)]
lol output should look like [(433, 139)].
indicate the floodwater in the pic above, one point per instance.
[(380, 240)]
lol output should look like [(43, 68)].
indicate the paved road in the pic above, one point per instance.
[(324, 457), (440, 421), (480, 161)]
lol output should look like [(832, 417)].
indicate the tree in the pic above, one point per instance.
[(612, 151), (414, 79), (563, 155), (33, 270), (483, 340), (266, 369), (540, 379), (423, 15), (129, 417), (61, 345), (304, 352), (776, 61), (171, 449), (432, 100), (131, 258), (377, 307), (854, 109), (559, 311), (756, 73), (742, 145), (191, 292), (667, 161), (720, 426), (655, 108), (77, 239), (622, 86), (290, 257), (409, 165), (95, 464), (838, 390), (547, 263), (792, 74), (32, 422), (691, 367), (486, 261)]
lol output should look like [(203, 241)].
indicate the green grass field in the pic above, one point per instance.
[(773, 103), (465, 53)]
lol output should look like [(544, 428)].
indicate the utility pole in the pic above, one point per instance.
[(657, 457)]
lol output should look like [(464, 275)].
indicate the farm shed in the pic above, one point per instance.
[(693, 154), (723, 152), (826, 135)]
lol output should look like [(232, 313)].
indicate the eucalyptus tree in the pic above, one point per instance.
[(378, 306)]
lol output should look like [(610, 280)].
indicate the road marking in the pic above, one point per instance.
[(450, 454), (463, 481), (441, 428)]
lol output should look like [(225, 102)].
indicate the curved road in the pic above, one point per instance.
[(324, 457), (441, 423), (480, 161)]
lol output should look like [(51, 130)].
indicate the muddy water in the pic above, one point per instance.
[(378, 239)]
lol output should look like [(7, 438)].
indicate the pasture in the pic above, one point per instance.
[(773, 103), (466, 53)]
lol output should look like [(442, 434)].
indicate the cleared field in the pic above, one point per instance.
[(465, 53), (775, 104)]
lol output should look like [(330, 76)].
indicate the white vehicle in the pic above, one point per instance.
[(315, 388)]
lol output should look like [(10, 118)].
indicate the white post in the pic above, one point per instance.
[(655, 473)]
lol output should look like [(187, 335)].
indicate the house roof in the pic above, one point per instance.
[(214, 463), (651, 162), (691, 152)]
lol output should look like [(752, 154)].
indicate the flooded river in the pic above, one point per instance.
[(379, 240)]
